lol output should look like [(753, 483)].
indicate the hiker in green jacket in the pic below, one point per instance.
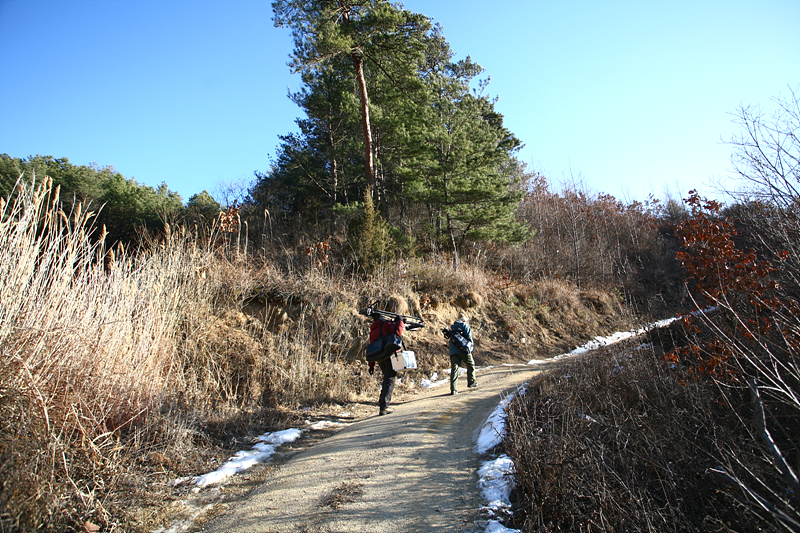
[(461, 356)]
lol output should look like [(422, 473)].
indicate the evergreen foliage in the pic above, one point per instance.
[(465, 171), (369, 237), (122, 205), (202, 210), (438, 161)]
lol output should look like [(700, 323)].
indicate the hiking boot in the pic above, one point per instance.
[(453, 392), (385, 411), (473, 385)]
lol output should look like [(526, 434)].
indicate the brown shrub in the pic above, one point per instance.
[(619, 441), (469, 300)]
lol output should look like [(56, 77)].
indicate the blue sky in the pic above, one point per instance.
[(628, 97)]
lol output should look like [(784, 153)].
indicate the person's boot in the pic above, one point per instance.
[(385, 411)]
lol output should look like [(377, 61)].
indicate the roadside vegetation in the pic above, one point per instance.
[(696, 427), (143, 340), (125, 370)]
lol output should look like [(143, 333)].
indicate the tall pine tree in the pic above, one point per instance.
[(465, 169), (432, 143), (324, 30)]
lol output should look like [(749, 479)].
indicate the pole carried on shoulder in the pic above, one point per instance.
[(412, 322)]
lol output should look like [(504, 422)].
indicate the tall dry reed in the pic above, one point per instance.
[(87, 344)]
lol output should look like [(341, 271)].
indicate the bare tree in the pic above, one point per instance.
[(767, 152), (766, 158)]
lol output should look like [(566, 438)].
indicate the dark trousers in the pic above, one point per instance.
[(456, 361), (387, 386)]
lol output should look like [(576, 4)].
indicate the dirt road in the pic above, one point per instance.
[(413, 470)]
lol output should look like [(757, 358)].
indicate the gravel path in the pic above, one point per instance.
[(413, 470)]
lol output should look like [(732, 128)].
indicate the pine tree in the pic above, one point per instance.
[(361, 30), (465, 168), (432, 144)]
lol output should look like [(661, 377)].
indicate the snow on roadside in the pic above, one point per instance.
[(494, 429), (496, 476), (433, 382), (496, 481), (599, 342), (267, 445)]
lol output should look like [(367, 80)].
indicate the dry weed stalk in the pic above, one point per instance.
[(88, 351)]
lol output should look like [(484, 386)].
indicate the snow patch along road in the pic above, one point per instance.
[(266, 448)]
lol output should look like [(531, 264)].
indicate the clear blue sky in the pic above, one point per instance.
[(631, 97)]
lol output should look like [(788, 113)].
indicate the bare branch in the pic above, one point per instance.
[(780, 461), (787, 521)]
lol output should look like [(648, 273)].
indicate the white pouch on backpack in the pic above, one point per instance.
[(403, 360)]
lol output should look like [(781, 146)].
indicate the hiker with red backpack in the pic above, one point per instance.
[(378, 329), (386, 348)]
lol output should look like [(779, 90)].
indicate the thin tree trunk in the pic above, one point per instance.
[(450, 226), (335, 170), (452, 242), (358, 63)]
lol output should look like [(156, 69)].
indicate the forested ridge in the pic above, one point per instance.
[(143, 337), (126, 208)]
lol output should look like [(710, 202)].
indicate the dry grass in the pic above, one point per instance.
[(88, 351), (435, 277), (118, 366), (621, 441)]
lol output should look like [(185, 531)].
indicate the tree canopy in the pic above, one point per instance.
[(123, 206), (390, 123), (427, 145)]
